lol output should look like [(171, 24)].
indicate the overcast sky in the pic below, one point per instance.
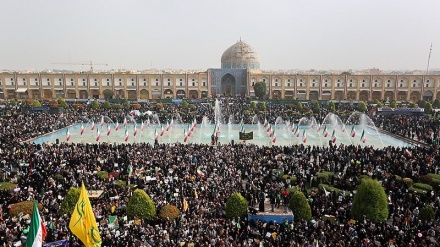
[(192, 34)]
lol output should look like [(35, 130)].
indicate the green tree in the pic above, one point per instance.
[(412, 105), (362, 107), (299, 106), (260, 90), (379, 105), (236, 206), (436, 104), (36, 103), (253, 105), (370, 201), (300, 206), (108, 94), (13, 102), (393, 104), (106, 105), (331, 106), (70, 201), (421, 103), (141, 206), (316, 106), (185, 104), (427, 213), (376, 101), (428, 107), (169, 212), (95, 104), (262, 106), (62, 102)]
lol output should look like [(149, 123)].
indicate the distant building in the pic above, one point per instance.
[(240, 70)]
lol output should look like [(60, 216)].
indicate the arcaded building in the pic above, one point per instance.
[(239, 71)]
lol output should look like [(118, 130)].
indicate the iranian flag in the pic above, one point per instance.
[(325, 132), (297, 131), (333, 137), (353, 132), (319, 128), (265, 123), (125, 121), (37, 230), (102, 121), (162, 131), (109, 130), (363, 138), (343, 127), (185, 136), (117, 126), (304, 136), (156, 136), (127, 136), (408, 153), (98, 135), (148, 122), (274, 137), (67, 135), (189, 131), (142, 126), (271, 133), (82, 129), (293, 126), (135, 130), (168, 126), (93, 125)]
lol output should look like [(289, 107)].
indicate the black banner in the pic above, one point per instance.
[(246, 136)]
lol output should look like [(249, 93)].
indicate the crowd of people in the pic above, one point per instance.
[(46, 172)]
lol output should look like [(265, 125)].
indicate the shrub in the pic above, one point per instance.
[(370, 200), (300, 206), (408, 181), (236, 206), (292, 190), (427, 213), (329, 188), (95, 104), (13, 102), (169, 212), (416, 190), (24, 207), (36, 103), (141, 206), (70, 201), (106, 105), (121, 183), (117, 107), (293, 180), (61, 102), (59, 177), (325, 176), (423, 186), (363, 176), (102, 174), (7, 185)]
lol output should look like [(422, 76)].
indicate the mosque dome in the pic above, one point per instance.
[(240, 56)]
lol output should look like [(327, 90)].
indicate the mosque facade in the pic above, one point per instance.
[(239, 71)]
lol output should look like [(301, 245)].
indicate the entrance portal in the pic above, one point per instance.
[(228, 85)]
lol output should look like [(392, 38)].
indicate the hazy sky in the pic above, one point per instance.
[(192, 34)]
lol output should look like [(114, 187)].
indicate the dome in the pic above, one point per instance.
[(240, 56)]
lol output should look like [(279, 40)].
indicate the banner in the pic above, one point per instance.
[(246, 136), (62, 243)]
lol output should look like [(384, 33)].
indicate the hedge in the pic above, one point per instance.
[(102, 174), (329, 188), (416, 190), (325, 176), (408, 181), (422, 186), (24, 207)]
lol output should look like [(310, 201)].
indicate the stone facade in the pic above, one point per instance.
[(216, 82)]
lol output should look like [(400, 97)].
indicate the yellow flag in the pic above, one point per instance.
[(185, 205), (83, 222)]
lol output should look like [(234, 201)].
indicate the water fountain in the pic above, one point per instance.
[(306, 131)]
